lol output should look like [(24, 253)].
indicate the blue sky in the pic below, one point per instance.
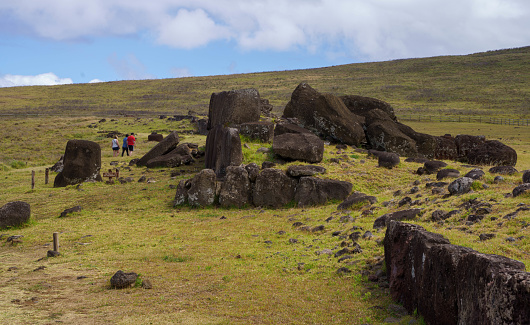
[(78, 41)]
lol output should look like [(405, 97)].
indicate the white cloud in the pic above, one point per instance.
[(45, 79), (94, 81), (373, 30)]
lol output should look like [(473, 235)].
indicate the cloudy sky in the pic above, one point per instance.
[(50, 42)]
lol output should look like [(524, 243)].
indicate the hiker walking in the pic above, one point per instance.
[(131, 141), (125, 147), (115, 146)]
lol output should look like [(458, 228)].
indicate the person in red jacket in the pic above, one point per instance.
[(131, 141)]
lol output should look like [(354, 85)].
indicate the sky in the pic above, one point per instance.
[(50, 42)]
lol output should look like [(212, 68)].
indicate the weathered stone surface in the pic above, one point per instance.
[(475, 173), (71, 210), (326, 114), (388, 160), (312, 191), (386, 136), (82, 163), (282, 128), (526, 176), (360, 105), (503, 170), (303, 146), (449, 284), (460, 186), (447, 173), (202, 189), (223, 149), (155, 137), (58, 166), (521, 189), (305, 170), (383, 220), (446, 148), (230, 108), (262, 131), (273, 188), (202, 126), (356, 198), (121, 280), (253, 171), (170, 160), (235, 190), (163, 147), (492, 152), (466, 143), (433, 166), (181, 196), (14, 214)]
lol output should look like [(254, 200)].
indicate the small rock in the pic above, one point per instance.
[(484, 237)]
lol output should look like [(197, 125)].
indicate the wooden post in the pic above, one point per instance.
[(56, 241), (32, 179), (46, 175)]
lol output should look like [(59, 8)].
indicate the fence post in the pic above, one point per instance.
[(32, 179), (46, 175)]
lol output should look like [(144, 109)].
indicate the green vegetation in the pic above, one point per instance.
[(236, 266)]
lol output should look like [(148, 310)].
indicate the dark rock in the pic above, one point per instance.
[(446, 148), (318, 228), (474, 218), (383, 220), (447, 173), (223, 149), (368, 235), (362, 106), (466, 143), (66, 212), (82, 163), (262, 131), (385, 135), (235, 190), (475, 174), (273, 188), (526, 176), (388, 160), (252, 171), (312, 191), (163, 147), (492, 152), (498, 179), (438, 215), (419, 160), (433, 166), (325, 113), (121, 280), (521, 189), (404, 201), (155, 137), (303, 146), (14, 214), (267, 164), (58, 166), (202, 187), (460, 186), (229, 108), (202, 126), (282, 128), (503, 170), (356, 198), (305, 170), (484, 237), (52, 253)]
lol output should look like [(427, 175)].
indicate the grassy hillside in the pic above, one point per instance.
[(491, 83)]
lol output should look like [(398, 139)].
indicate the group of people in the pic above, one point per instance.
[(128, 145)]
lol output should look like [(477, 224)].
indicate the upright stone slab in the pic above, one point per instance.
[(223, 149), (166, 145), (201, 192), (273, 188), (229, 108), (82, 163), (235, 190)]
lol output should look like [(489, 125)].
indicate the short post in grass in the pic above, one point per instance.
[(46, 176), (56, 241), (32, 179)]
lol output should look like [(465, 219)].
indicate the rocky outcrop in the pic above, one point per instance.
[(231, 108), (273, 188), (326, 114), (223, 149), (449, 284), (261, 131), (82, 163), (492, 152), (14, 214), (302, 146)]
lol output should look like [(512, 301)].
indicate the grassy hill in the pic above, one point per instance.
[(493, 83)]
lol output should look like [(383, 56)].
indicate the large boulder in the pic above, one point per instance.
[(521, 189), (302, 146), (388, 159), (202, 188), (82, 163), (383, 220), (230, 108), (466, 143), (326, 114), (460, 185), (315, 191), (387, 136), (155, 137), (223, 149), (282, 128), (273, 188), (163, 147), (261, 131), (235, 190), (14, 214), (360, 105), (446, 148), (492, 152), (170, 160)]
